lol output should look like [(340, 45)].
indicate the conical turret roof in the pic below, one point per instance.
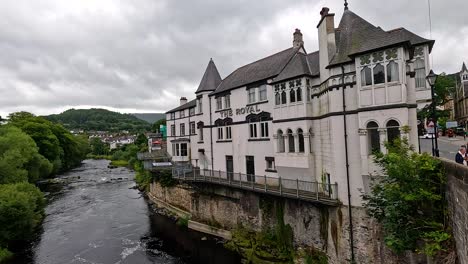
[(211, 78)]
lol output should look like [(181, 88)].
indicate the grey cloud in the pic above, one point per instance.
[(145, 54)]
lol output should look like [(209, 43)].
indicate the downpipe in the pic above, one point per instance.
[(351, 233)]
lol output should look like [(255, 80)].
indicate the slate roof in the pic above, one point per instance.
[(211, 78), (300, 64), (257, 71), (187, 105), (355, 35)]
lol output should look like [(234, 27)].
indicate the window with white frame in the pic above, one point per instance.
[(227, 101), (283, 95), (300, 138), (366, 76), (228, 133), (173, 115), (392, 72), (292, 96), (270, 164), (264, 129), (277, 95), (219, 103), (220, 133), (253, 130), (200, 105), (173, 130), (420, 70), (299, 94), (262, 93), (180, 149), (182, 113), (291, 146), (379, 74), (182, 129), (192, 128), (200, 133), (251, 94)]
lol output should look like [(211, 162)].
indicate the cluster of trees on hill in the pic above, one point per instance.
[(31, 148), (99, 120)]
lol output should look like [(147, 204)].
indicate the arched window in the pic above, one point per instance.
[(379, 74), (299, 94), (366, 76), (393, 130), (300, 136), (283, 97), (292, 96), (392, 72), (373, 137), (420, 69), (291, 147), (281, 147)]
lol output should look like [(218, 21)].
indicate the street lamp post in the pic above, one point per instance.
[(431, 79)]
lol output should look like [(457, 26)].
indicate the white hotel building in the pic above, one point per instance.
[(295, 113)]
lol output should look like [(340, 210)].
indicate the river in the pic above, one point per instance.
[(98, 217)]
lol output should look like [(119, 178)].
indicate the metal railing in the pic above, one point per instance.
[(293, 188)]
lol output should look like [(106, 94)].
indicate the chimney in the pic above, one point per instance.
[(326, 37), (297, 39), (183, 100)]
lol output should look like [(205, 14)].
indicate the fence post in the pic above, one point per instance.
[(317, 191), (297, 188), (219, 175), (265, 183), (280, 186)]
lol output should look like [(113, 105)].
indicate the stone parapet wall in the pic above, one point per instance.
[(457, 197)]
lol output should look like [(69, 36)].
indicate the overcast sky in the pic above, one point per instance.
[(143, 55)]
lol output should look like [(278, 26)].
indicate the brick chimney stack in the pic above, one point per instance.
[(183, 100), (297, 39)]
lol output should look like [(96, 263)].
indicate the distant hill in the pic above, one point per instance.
[(100, 120), (150, 117)]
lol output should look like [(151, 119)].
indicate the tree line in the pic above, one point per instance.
[(31, 149)]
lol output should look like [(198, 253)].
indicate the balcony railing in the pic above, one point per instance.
[(326, 193)]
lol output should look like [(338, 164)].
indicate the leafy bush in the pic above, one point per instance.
[(409, 200), (21, 211), (4, 255), (119, 163)]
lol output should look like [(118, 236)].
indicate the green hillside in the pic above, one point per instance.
[(100, 120), (149, 117)]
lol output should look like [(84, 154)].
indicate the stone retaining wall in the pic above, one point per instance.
[(325, 228)]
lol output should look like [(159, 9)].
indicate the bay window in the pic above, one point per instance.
[(379, 74), (392, 72), (420, 69), (366, 76)]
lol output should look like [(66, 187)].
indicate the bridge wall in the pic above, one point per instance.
[(457, 197), (323, 227)]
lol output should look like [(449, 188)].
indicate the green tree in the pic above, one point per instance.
[(444, 89), (19, 157), (141, 140), (21, 211), (98, 147), (156, 125), (409, 200)]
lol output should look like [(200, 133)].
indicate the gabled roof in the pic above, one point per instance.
[(211, 78), (187, 105), (355, 35), (464, 69), (300, 64), (257, 71)]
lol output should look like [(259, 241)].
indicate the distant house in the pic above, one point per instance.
[(461, 96)]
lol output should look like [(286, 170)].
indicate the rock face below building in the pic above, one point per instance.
[(322, 227)]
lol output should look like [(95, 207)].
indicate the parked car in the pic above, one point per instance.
[(427, 136)]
